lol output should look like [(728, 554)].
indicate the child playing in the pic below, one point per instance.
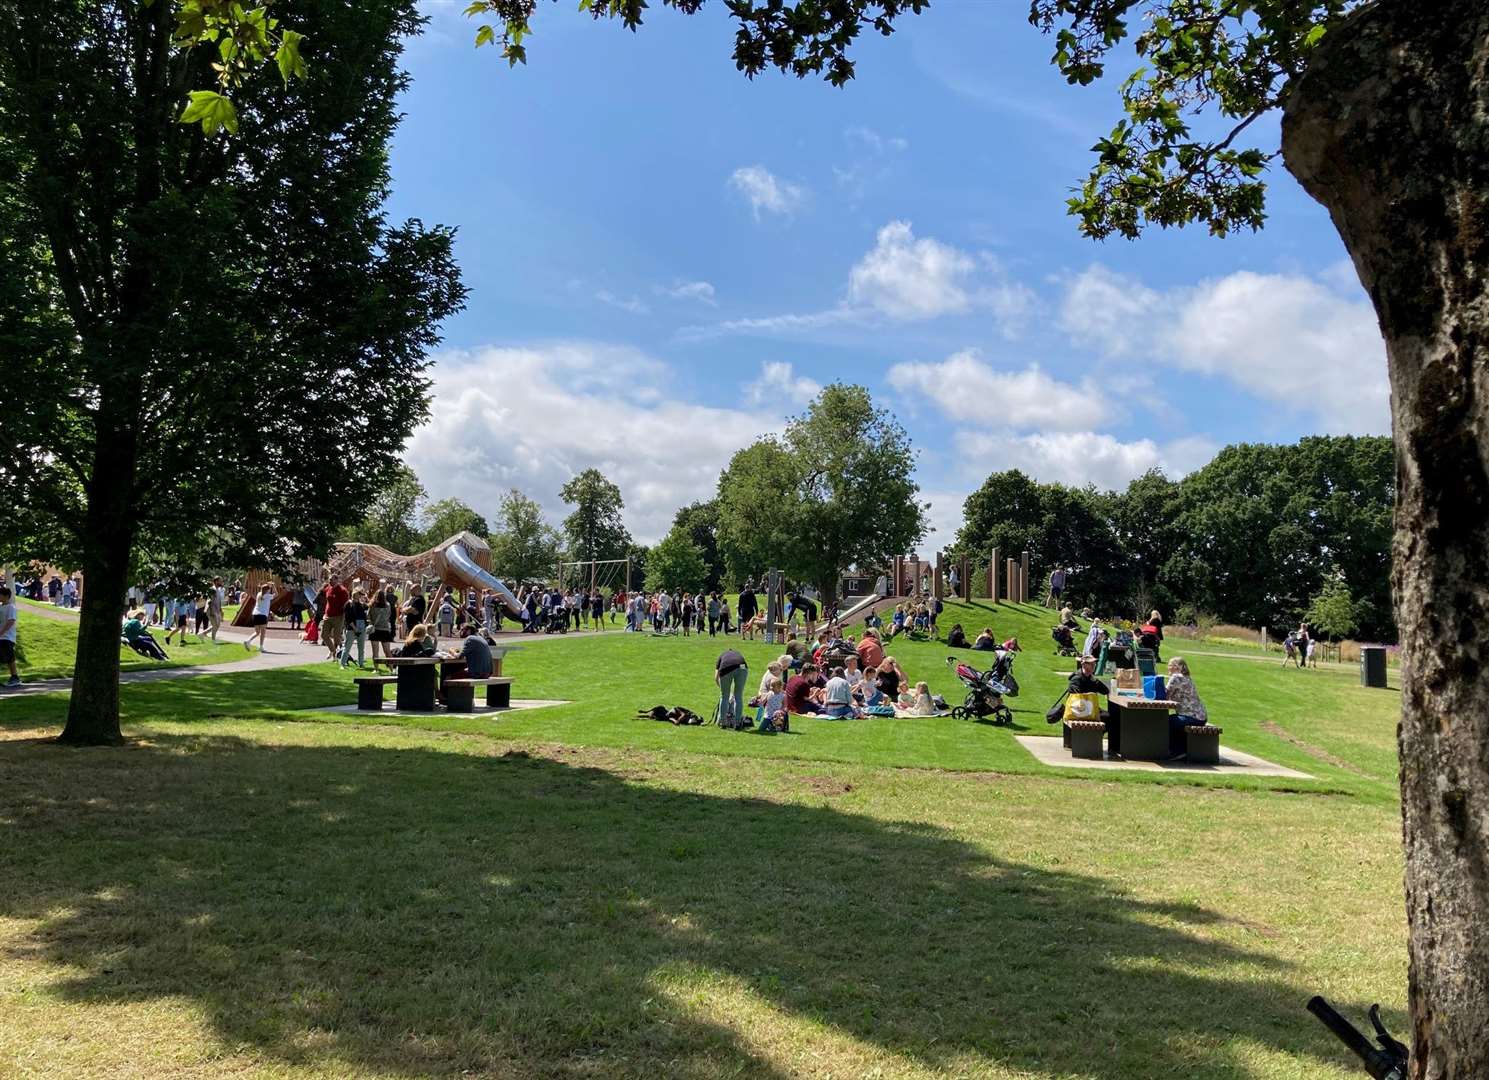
[(446, 617), (851, 672), (869, 688), (923, 704), (773, 671)]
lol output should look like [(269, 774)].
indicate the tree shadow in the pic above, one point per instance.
[(418, 911)]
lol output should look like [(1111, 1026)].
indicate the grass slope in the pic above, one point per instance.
[(47, 648)]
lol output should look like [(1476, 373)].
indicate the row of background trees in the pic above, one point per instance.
[(1263, 535)]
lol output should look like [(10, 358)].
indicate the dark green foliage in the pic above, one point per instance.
[(228, 339), (701, 521), (445, 518), (676, 563), (835, 493), (1251, 538), (595, 529), (524, 548), (392, 518), (1166, 162)]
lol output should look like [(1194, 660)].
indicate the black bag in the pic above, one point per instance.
[(1056, 712)]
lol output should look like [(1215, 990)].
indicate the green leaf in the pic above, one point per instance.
[(1314, 36), (212, 111), (485, 36), (288, 56)]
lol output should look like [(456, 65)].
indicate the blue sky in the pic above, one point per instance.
[(666, 260)]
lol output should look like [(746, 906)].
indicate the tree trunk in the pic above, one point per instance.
[(1389, 129), (93, 711)]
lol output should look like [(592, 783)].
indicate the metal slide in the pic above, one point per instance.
[(463, 566), (861, 609)]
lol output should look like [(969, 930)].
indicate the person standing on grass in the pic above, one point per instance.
[(333, 616), (749, 606), (8, 636), (597, 610), (216, 600), (356, 629), (1057, 586), (1304, 643), (730, 674), (261, 605), (413, 608), (380, 624)]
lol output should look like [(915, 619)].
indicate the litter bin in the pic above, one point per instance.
[(1373, 666)]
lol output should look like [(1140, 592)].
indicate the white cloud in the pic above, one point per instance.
[(965, 387), (701, 291), (533, 417), (626, 303), (908, 278), (778, 381), (903, 279), (1080, 457), (1285, 338), (879, 144), (765, 191)]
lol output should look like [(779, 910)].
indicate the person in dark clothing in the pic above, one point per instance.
[(1084, 681), (801, 698), (749, 606), (957, 638), (476, 653)]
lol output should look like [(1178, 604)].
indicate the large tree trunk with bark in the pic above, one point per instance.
[(93, 711), (1389, 129)]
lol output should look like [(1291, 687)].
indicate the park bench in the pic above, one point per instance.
[(1202, 744), (460, 694), (1084, 738), (370, 691)]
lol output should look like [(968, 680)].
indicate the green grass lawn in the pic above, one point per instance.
[(47, 647), (247, 890)]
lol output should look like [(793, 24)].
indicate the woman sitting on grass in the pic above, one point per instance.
[(956, 638), (985, 641), (419, 642), (920, 702)]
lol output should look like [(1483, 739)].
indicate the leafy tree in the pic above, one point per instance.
[(525, 547), (391, 520), (595, 529), (1333, 611), (701, 520), (834, 493), (1056, 525), (675, 563), (445, 518), (162, 283)]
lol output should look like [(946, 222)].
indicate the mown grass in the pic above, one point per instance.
[(308, 900), (255, 888), (47, 647)]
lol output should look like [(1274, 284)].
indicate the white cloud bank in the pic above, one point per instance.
[(1284, 338), (1079, 458), (966, 388), (533, 417), (766, 192)]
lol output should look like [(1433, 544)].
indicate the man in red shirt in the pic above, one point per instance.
[(333, 623), (802, 692), (870, 652)]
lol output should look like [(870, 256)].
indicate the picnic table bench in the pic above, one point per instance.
[(460, 694)]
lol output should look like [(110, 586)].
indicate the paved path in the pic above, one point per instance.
[(286, 654)]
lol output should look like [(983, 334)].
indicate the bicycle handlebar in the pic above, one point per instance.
[(1381, 1064)]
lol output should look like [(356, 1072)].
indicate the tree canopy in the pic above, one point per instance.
[(163, 284), (835, 492), (524, 546), (675, 563), (445, 518), (595, 529)]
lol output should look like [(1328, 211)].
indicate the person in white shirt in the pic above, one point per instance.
[(851, 672), (837, 697), (261, 605), (8, 636)]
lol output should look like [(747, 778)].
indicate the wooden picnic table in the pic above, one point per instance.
[(1140, 726), (417, 679)]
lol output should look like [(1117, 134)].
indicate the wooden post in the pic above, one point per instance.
[(964, 572), (1024, 579), (938, 577), (994, 572), (1012, 578)]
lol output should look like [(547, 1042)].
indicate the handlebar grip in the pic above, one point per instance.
[(1346, 1032)]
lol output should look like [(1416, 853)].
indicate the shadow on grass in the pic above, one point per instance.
[(420, 911)]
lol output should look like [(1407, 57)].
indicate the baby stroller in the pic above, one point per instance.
[(1064, 640), (556, 621), (984, 692)]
